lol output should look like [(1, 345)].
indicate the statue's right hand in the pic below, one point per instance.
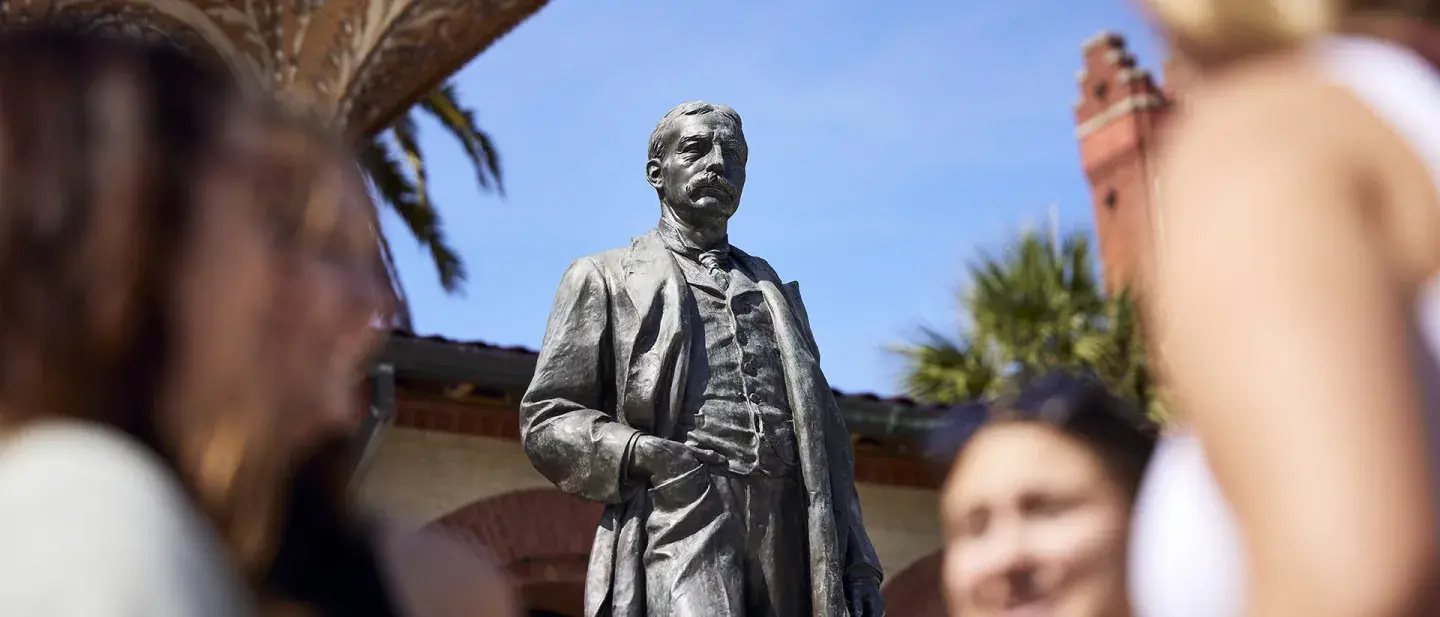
[(661, 460)]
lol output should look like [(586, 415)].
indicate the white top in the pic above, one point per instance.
[(1186, 559), (93, 525)]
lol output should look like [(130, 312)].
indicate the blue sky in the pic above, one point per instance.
[(891, 143)]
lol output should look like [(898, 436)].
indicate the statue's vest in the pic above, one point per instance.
[(736, 402)]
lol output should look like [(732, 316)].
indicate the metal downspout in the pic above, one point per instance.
[(380, 417)]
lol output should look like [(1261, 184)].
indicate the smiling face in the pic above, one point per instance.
[(1035, 526), (700, 170)]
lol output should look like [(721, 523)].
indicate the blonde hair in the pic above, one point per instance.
[(1210, 32)]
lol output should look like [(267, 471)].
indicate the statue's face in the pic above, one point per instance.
[(701, 170)]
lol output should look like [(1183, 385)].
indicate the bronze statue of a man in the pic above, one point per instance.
[(679, 384)]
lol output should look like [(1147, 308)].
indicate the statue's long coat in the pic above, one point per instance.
[(615, 361)]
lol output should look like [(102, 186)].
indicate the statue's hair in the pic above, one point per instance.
[(690, 108), (1210, 32)]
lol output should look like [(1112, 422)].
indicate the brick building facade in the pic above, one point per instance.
[(442, 449), (1119, 118)]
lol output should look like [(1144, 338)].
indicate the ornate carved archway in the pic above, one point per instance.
[(915, 591), (543, 538)]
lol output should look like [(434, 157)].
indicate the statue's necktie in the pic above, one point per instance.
[(718, 263)]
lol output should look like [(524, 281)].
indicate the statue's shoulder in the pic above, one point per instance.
[(614, 260), (611, 261), (605, 265), (759, 266)]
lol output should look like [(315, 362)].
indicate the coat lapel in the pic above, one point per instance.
[(808, 392), (648, 268), (659, 342), (795, 315), (802, 317)]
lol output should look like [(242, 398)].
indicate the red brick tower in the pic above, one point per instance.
[(1117, 121)]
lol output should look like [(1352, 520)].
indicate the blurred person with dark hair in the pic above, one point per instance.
[(187, 286), (1294, 291), (1036, 507)]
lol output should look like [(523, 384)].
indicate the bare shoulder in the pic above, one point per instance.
[(1248, 149), (1285, 116), (440, 577), (1282, 145)]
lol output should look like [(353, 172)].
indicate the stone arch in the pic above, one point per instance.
[(915, 591), (541, 536)]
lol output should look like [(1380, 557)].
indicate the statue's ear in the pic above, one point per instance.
[(652, 173)]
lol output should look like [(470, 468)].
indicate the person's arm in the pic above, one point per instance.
[(568, 437), (92, 525), (1286, 337)]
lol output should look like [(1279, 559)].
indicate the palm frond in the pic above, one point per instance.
[(942, 370), (1036, 306), (401, 310), (444, 104), (404, 186), (407, 139), (405, 195)]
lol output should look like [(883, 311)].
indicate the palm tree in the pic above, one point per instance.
[(949, 371), (1036, 307), (396, 169)]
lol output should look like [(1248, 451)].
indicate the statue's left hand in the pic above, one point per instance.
[(863, 596)]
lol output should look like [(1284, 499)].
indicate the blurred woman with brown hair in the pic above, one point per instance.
[(187, 287), (1036, 506), (1296, 300)]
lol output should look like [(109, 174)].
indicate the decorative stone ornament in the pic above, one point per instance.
[(354, 64)]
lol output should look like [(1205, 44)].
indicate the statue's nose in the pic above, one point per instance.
[(715, 161)]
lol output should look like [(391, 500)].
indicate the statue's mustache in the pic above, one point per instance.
[(709, 184)]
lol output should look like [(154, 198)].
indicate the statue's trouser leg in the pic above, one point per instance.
[(692, 557), (771, 516)]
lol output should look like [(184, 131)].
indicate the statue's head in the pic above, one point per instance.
[(697, 162)]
